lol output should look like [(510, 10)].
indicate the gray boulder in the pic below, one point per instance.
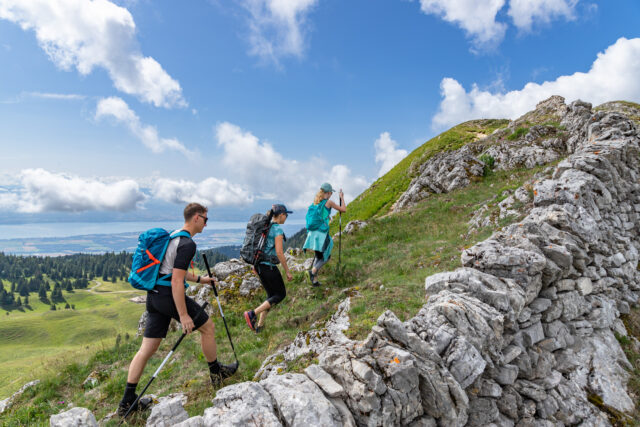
[(75, 417)]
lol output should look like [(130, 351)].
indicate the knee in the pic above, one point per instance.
[(208, 328), (148, 349), (278, 298)]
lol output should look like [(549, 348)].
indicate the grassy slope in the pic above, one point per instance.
[(396, 251), (33, 339), (378, 198)]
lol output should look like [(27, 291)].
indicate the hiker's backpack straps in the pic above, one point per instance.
[(164, 280), (255, 240), (148, 256)]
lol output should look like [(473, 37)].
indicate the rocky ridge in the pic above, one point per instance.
[(536, 138)]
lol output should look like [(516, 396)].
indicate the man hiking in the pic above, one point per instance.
[(167, 300)]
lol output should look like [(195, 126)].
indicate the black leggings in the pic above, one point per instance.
[(272, 283)]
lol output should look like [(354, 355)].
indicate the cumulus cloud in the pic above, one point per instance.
[(277, 27), (476, 17), (387, 153), (525, 12), (479, 18), (210, 192), (268, 174), (613, 75), (117, 109), (95, 33), (43, 191)]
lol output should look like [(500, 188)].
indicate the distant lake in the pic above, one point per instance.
[(67, 229), (60, 238)]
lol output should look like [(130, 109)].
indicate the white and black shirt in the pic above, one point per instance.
[(179, 254)]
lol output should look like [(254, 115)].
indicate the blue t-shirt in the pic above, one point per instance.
[(270, 246)]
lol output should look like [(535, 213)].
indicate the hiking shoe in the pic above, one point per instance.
[(312, 277), (142, 405), (250, 318), (259, 329), (225, 372), (316, 284)]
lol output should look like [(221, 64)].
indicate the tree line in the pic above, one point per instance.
[(20, 276)]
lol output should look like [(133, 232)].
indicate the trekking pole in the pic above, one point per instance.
[(155, 374), (215, 291), (340, 234)]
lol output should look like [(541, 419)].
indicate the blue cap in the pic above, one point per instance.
[(280, 209), (326, 187)]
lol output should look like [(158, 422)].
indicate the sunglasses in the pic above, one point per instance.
[(204, 217)]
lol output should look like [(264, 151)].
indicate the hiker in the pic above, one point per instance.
[(268, 272), (167, 300), (318, 238)]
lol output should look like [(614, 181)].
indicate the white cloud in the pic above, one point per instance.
[(95, 33), (119, 110), (268, 174), (479, 18), (613, 75), (277, 27), (210, 192), (43, 191), (56, 96), (525, 12), (476, 17), (387, 153)]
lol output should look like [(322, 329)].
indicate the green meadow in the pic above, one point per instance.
[(36, 339)]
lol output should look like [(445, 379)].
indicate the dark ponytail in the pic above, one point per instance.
[(269, 214)]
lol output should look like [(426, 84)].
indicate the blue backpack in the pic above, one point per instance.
[(152, 244), (317, 217)]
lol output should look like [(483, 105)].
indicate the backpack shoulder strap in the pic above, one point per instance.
[(179, 233)]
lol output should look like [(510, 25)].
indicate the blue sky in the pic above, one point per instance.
[(113, 110)]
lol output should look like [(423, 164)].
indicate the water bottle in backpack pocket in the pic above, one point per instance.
[(147, 258)]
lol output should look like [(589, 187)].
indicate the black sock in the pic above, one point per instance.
[(130, 392), (214, 367)]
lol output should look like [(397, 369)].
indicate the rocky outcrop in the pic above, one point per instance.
[(5, 404), (522, 334), (442, 173), (77, 417), (313, 341), (536, 138), (168, 412)]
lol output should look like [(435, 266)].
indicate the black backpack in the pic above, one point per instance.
[(255, 239)]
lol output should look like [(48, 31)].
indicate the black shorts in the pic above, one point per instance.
[(272, 282), (162, 309)]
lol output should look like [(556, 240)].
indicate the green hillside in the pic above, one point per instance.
[(378, 198)]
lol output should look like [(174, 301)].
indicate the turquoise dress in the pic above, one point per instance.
[(270, 246), (319, 240)]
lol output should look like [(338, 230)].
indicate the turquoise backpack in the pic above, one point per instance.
[(318, 217), (152, 245)]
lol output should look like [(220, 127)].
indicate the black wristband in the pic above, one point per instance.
[(198, 279)]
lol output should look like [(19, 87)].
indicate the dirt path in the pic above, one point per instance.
[(106, 292)]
